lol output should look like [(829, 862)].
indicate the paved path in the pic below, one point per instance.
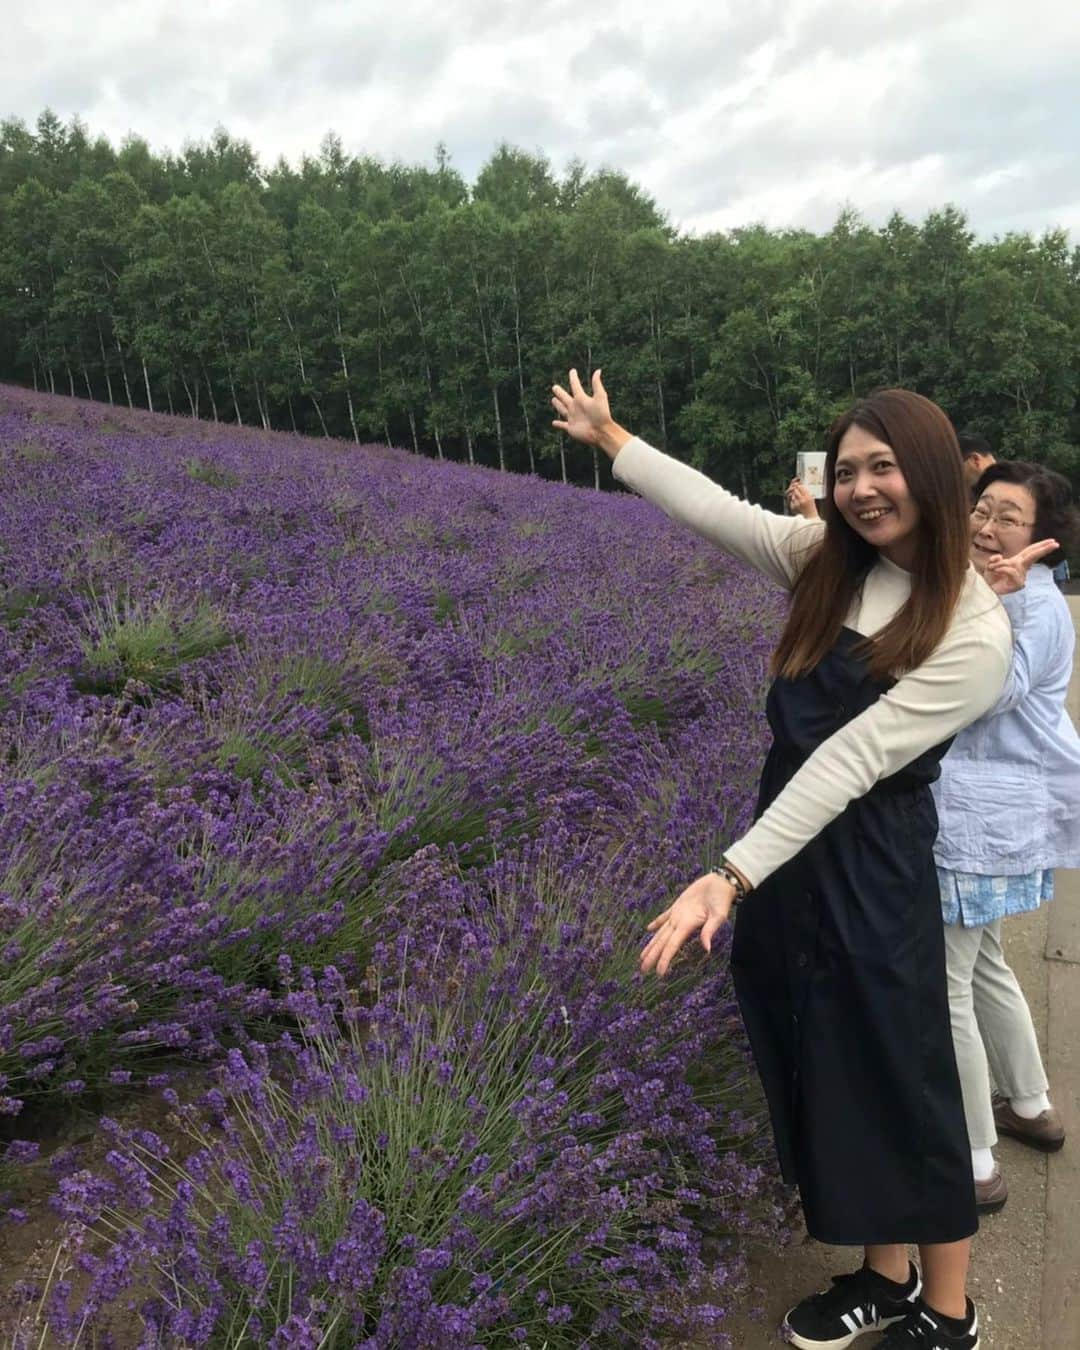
[(1061, 1267), (1026, 1263)]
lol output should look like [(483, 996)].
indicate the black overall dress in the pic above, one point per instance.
[(839, 966)]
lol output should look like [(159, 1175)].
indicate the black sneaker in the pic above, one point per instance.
[(922, 1330), (857, 1303)]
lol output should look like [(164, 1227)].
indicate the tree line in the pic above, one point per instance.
[(344, 296)]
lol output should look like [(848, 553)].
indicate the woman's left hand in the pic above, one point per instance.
[(800, 501), (705, 905), (1005, 575)]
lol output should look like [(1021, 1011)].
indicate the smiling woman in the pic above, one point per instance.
[(893, 643), (894, 492), (873, 496), (1006, 514)]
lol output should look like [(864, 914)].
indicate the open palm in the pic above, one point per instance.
[(581, 415)]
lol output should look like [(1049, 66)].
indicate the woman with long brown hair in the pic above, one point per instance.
[(892, 644)]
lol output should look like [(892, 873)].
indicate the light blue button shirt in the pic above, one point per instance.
[(1009, 794)]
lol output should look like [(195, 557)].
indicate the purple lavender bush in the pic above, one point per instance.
[(505, 1150), (270, 706)]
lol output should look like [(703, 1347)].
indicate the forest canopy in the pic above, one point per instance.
[(345, 296)]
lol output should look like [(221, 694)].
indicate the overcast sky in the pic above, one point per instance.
[(726, 112)]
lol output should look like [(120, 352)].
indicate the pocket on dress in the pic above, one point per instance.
[(990, 812)]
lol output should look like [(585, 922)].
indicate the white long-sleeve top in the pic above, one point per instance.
[(959, 681)]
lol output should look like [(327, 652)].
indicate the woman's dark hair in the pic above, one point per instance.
[(923, 441), (1055, 515), (973, 444)]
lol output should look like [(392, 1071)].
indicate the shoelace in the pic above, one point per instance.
[(839, 1296), (914, 1333)]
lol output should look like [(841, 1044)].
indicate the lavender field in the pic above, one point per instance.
[(336, 788)]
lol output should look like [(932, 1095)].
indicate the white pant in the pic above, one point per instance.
[(992, 1028)]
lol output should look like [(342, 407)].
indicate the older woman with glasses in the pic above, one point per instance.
[(1006, 803)]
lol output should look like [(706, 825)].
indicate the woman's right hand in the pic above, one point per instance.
[(702, 907), (1005, 575), (587, 417)]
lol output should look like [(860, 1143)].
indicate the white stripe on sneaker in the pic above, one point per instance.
[(858, 1322), (863, 1318)]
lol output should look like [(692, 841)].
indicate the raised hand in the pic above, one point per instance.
[(705, 905), (1004, 575), (800, 501), (587, 417)]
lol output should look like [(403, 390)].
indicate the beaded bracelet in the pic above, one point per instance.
[(724, 869)]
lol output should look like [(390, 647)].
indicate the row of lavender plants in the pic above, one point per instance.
[(343, 783)]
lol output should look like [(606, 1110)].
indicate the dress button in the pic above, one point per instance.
[(801, 960), (809, 897)]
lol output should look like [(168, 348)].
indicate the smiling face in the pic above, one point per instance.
[(872, 495), (1003, 521)]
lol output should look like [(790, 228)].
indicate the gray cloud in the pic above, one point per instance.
[(608, 51), (724, 112)]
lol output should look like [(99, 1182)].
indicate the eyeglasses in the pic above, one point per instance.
[(981, 516)]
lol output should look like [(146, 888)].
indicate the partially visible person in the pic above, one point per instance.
[(1061, 574), (800, 500), (1007, 805), (978, 455)]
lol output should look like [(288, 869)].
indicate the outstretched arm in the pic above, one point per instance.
[(776, 545)]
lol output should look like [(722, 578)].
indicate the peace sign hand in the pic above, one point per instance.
[(1005, 575)]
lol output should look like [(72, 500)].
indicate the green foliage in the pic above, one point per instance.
[(265, 727), (33, 452), (415, 788), (391, 303), (16, 602), (149, 643), (206, 471)]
